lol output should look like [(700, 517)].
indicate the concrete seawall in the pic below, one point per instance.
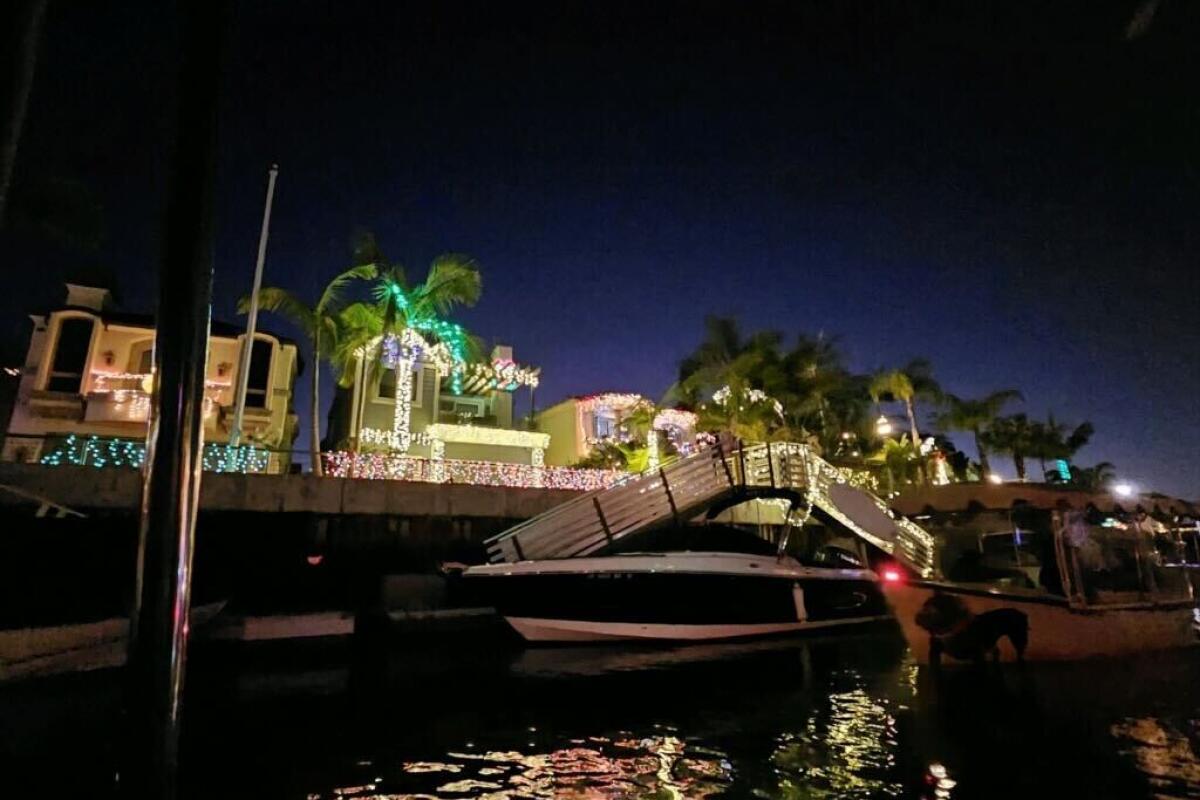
[(86, 488)]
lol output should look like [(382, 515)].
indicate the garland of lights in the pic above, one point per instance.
[(505, 375), (722, 396), (129, 453), (614, 401), (395, 466)]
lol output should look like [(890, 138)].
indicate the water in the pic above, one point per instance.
[(804, 718)]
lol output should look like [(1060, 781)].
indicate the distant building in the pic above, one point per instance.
[(473, 424), (576, 425), (88, 374)]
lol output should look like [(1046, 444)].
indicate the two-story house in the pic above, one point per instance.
[(576, 425), (88, 374), (473, 424)]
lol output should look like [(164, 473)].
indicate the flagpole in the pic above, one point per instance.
[(243, 379)]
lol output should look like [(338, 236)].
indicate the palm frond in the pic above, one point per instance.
[(282, 302), (453, 280), (332, 294)]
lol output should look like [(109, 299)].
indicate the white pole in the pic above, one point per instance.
[(239, 406)]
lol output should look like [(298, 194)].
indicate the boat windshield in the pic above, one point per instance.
[(1119, 560)]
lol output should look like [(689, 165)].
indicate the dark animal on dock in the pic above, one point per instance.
[(954, 630)]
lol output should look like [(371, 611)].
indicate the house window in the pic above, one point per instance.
[(258, 383), (70, 355), (141, 357), (387, 386), (605, 427)]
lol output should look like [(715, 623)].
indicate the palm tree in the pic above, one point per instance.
[(810, 382), (727, 359), (905, 385), (976, 417), (1051, 440), (1014, 435), (1096, 477), (898, 458), (452, 280), (319, 323)]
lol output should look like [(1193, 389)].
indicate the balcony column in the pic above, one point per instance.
[(538, 461), (437, 460)]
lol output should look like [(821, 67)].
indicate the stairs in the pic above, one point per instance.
[(687, 487)]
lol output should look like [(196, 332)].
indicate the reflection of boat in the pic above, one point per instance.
[(1047, 574), (667, 556)]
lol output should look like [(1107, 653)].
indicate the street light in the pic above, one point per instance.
[(882, 426), (994, 478), (1123, 490)]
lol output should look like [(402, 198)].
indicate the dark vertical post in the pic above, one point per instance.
[(159, 632)]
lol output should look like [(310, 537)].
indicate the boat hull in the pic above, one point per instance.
[(1056, 631), (685, 597)]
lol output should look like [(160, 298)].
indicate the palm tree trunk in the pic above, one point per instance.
[(985, 468), (1019, 464), (922, 477), (912, 423), (315, 444)]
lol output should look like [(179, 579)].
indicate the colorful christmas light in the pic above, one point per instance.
[(100, 453), (395, 466)]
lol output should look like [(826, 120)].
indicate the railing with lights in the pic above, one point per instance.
[(398, 467), (680, 490), (100, 452)]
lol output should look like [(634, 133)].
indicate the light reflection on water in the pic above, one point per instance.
[(596, 767), (814, 720), (1163, 754)]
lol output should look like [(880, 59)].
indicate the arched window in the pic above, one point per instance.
[(258, 385), (141, 357), (70, 354)]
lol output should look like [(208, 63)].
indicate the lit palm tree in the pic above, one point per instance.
[(452, 280), (726, 358), (319, 322), (975, 417)]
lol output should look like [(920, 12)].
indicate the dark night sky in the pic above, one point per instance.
[(1011, 192)]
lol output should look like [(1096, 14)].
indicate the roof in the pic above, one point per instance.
[(134, 320), (976, 496)]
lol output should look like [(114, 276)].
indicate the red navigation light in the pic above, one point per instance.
[(892, 575)]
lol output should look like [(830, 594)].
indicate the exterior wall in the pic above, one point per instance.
[(488, 452), (113, 401), (567, 443), (363, 408)]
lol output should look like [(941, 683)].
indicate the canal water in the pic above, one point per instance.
[(834, 717)]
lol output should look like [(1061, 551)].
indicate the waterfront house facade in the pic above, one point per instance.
[(88, 374), (578, 424), (468, 418)]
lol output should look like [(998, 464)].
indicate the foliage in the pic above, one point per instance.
[(975, 416), (320, 324)]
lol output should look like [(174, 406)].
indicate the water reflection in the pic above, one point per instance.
[(1164, 755), (597, 767), (847, 750)]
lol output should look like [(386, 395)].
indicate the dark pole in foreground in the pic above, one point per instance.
[(159, 631)]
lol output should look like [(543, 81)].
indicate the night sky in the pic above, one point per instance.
[(1011, 192)]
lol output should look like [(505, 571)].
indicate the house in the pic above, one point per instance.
[(576, 425), (454, 413), (84, 390)]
